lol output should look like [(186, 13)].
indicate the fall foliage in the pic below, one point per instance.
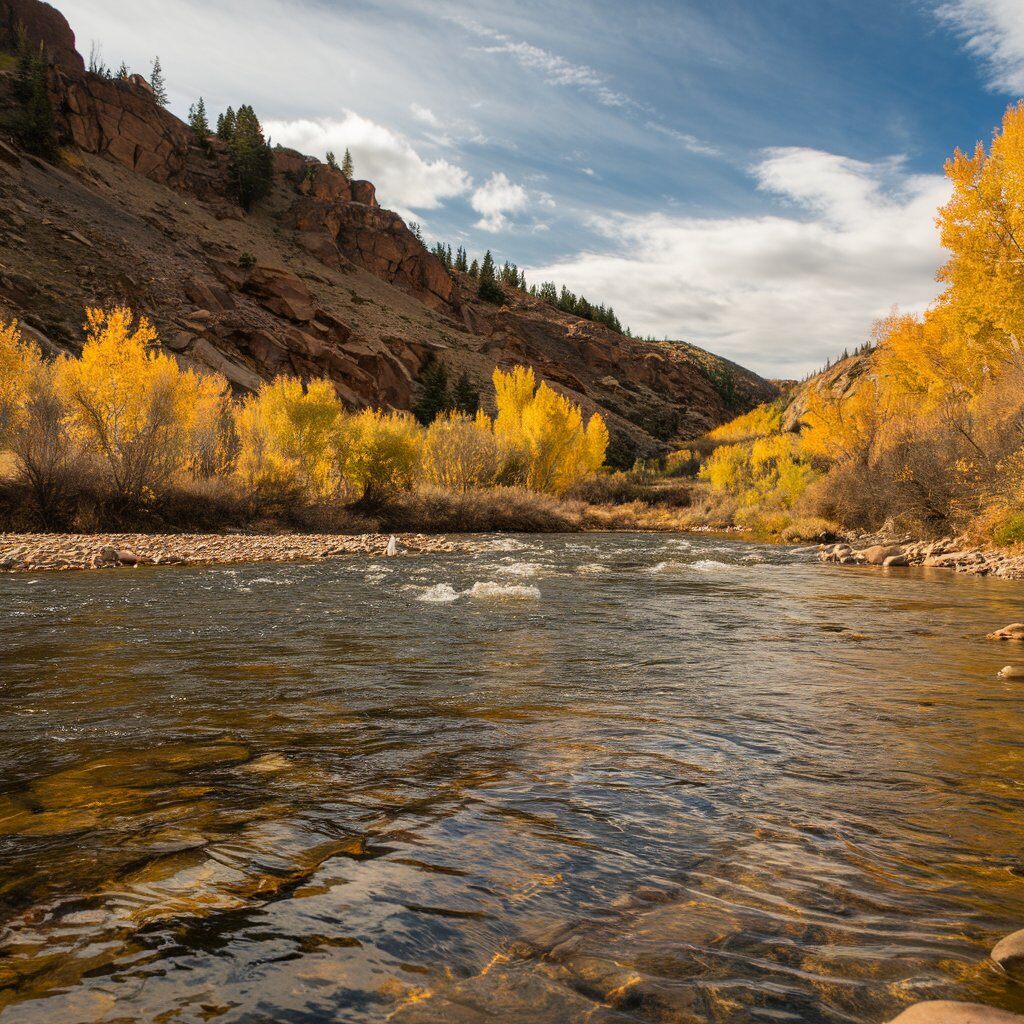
[(127, 418), (929, 430)]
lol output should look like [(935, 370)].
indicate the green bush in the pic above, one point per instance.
[(1010, 531)]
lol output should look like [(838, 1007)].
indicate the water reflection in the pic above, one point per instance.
[(609, 778)]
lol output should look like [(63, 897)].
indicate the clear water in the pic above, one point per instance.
[(600, 778)]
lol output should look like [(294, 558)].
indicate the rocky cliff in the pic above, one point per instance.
[(317, 280)]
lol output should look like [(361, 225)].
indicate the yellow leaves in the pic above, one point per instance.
[(769, 471), (460, 452), (542, 434), (759, 422), (379, 453), (19, 361)]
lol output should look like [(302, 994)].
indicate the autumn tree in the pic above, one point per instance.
[(128, 403), (379, 453), (460, 452), (286, 440)]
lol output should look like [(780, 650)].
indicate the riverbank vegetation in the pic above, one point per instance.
[(923, 431), (123, 434)]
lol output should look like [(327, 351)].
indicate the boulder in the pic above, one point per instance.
[(941, 1011), (281, 292), (1011, 672), (1014, 631), (1009, 952), (878, 553), (896, 561), (127, 557)]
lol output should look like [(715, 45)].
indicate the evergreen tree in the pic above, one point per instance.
[(332, 161), (156, 81), (465, 398), (489, 290), (434, 397), (35, 125), (417, 231), (474, 269), (461, 260), (123, 73), (251, 163), (226, 125), (25, 70), (347, 167), (197, 121)]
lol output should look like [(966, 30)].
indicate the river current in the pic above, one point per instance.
[(602, 778)]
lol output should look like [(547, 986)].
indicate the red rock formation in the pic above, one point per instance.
[(43, 24)]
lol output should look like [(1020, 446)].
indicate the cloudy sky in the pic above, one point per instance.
[(757, 177)]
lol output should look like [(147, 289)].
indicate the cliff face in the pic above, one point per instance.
[(319, 280)]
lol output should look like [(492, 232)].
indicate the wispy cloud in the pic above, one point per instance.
[(993, 31)]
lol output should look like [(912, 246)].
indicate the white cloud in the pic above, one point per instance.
[(425, 115), (689, 142), (404, 180), (778, 292), (496, 198), (994, 32)]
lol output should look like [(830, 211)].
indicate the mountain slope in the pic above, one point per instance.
[(317, 280)]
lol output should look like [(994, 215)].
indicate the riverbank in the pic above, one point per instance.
[(34, 552), (946, 553)]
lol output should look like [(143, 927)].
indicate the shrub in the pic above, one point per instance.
[(1010, 531), (460, 452)]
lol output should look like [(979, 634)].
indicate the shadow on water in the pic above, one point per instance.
[(602, 778)]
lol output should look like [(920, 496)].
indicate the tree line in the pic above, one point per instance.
[(125, 420)]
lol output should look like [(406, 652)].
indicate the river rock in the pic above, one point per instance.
[(1011, 672), (1014, 631), (896, 561), (941, 1011), (1009, 952), (128, 557), (878, 553)]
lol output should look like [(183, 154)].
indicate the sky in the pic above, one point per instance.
[(759, 177)]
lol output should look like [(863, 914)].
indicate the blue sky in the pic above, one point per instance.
[(757, 176)]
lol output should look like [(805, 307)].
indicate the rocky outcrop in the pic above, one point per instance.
[(121, 119), (44, 25), (377, 240)]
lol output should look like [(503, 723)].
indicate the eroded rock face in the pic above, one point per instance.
[(43, 24), (281, 292)]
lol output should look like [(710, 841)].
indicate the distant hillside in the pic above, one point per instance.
[(317, 280)]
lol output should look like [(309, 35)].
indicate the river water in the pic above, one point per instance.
[(605, 778)]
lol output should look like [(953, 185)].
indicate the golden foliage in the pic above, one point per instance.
[(543, 440)]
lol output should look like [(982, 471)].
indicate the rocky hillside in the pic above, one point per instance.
[(317, 280)]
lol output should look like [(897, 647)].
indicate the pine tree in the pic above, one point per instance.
[(474, 269), (250, 160), (347, 167), (25, 71), (123, 73), (197, 121), (226, 125), (332, 160), (461, 260), (465, 398), (434, 397), (156, 82), (417, 231), (489, 290), (35, 125)]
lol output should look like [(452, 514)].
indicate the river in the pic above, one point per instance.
[(600, 778)]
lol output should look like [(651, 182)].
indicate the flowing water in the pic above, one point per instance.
[(603, 778)]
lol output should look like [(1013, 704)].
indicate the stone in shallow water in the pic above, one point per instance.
[(1009, 952), (1014, 631), (941, 1011)]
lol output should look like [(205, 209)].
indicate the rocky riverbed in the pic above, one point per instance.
[(947, 553), (59, 552)]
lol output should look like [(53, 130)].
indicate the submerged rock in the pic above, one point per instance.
[(1014, 631), (1011, 672), (1009, 952), (941, 1011)]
